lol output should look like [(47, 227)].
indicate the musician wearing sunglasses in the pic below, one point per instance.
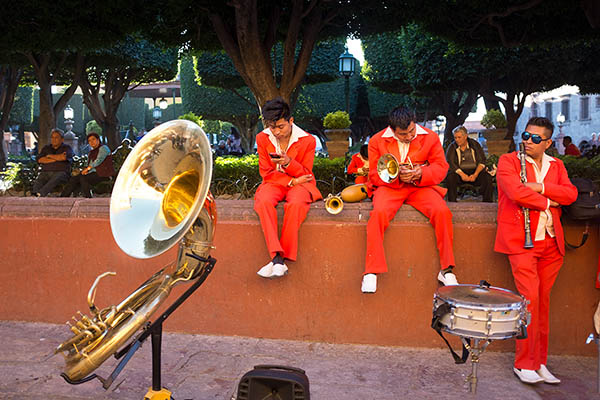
[(285, 160), (422, 167), (534, 265)]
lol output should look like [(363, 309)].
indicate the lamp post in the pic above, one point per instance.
[(163, 104), (70, 138), (560, 118), (347, 64), (156, 114)]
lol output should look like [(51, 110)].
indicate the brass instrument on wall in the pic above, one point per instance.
[(334, 204), (160, 198)]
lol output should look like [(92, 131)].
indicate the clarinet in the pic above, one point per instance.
[(528, 243)]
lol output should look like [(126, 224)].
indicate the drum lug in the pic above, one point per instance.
[(488, 324)]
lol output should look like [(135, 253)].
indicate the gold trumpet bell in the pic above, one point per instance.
[(334, 204), (388, 168)]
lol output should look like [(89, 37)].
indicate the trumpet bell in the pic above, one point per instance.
[(159, 191), (354, 193), (334, 204), (388, 168)]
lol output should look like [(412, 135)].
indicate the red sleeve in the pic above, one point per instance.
[(437, 169), (509, 181), (353, 166), (563, 192), (302, 162), (266, 167)]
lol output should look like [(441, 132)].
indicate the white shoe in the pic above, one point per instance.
[(266, 271), (279, 270), (369, 283), (528, 375), (547, 375), (447, 279)]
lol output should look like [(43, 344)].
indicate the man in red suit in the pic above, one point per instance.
[(359, 165), (417, 186), (534, 270), (285, 160)]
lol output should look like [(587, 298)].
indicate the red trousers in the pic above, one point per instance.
[(535, 273), (297, 203), (386, 202)]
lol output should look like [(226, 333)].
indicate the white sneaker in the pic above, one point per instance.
[(528, 375), (547, 375), (266, 271), (369, 283), (279, 270), (447, 279)]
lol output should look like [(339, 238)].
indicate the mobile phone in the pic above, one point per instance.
[(274, 155)]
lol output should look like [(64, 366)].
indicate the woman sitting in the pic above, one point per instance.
[(100, 168)]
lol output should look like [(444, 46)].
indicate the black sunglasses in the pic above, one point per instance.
[(537, 139)]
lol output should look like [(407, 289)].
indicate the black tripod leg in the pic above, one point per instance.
[(156, 352)]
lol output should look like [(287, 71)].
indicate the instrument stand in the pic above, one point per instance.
[(596, 339), (475, 350), (156, 392)]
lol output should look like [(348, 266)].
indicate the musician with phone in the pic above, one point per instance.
[(533, 205), (285, 160), (421, 167)]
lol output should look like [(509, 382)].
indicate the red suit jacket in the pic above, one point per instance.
[(512, 195), (302, 153), (425, 147), (356, 163)]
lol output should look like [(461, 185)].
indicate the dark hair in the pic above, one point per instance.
[(401, 117), (275, 109), (59, 131), (364, 151), (235, 132), (567, 139), (543, 122), (93, 134)]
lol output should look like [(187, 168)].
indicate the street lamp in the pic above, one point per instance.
[(70, 138), (163, 104), (156, 114), (560, 118), (347, 64), (438, 125)]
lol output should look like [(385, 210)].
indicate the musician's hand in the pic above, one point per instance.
[(418, 173), (554, 204), (283, 160), (406, 175), (536, 187), (303, 179)]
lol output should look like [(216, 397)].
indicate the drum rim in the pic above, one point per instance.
[(477, 305), (478, 335)]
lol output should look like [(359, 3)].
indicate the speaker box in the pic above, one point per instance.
[(274, 382)]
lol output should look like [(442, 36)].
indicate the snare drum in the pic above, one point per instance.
[(480, 312)]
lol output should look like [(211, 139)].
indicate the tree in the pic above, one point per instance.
[(113, 70), (10, 76)]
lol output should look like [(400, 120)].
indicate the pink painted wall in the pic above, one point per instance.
[(53, 249)]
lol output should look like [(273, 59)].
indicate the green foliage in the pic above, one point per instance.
[(92, 126), (212, 126), (581, 167), (22, 109), (337, 120), (19, 175), (493, 118), (190, 116)]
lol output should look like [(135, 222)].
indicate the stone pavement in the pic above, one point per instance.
[(204, 367)]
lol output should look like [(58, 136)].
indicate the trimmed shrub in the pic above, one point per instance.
[(337, 120), (493, 119)]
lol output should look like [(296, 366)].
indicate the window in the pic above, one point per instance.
[(597, 101), (564, 109), (534, 109), (584, 108), (548, 106)]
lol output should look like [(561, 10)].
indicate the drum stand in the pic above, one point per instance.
[(478, 347), (596, 339)]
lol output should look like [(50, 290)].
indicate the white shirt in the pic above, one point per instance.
[(403, 147), (545, 223)]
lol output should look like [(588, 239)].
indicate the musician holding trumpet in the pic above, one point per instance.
[(422, 166), (530, 233)]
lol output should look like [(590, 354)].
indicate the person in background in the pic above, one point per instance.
[(359, 165), (234, 143), (221, 149), (55, 160), (100, 168), (570, 148), (467, 164)]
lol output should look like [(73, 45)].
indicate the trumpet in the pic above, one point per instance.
[(334, 204)]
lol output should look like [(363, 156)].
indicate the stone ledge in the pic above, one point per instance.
[(236, 210)]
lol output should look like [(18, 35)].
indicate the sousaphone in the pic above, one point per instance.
[(160, 198)]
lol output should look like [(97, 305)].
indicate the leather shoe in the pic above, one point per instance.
[(547, 375), (369, 283), (266, 271), (447, 279), (279, 270), (528, 375)]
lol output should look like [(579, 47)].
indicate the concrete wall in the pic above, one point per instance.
[(53, 249)]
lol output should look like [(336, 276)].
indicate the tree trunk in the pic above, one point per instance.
[(251, 53), (110, 127), (9, 83), (491, 102), (247, 127), (456, 107)]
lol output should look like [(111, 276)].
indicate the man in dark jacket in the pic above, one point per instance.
[(55, 160), (467, 164)]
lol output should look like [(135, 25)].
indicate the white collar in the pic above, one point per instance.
[(390, 133), (297, 133), (545, 159), (541, 174)]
